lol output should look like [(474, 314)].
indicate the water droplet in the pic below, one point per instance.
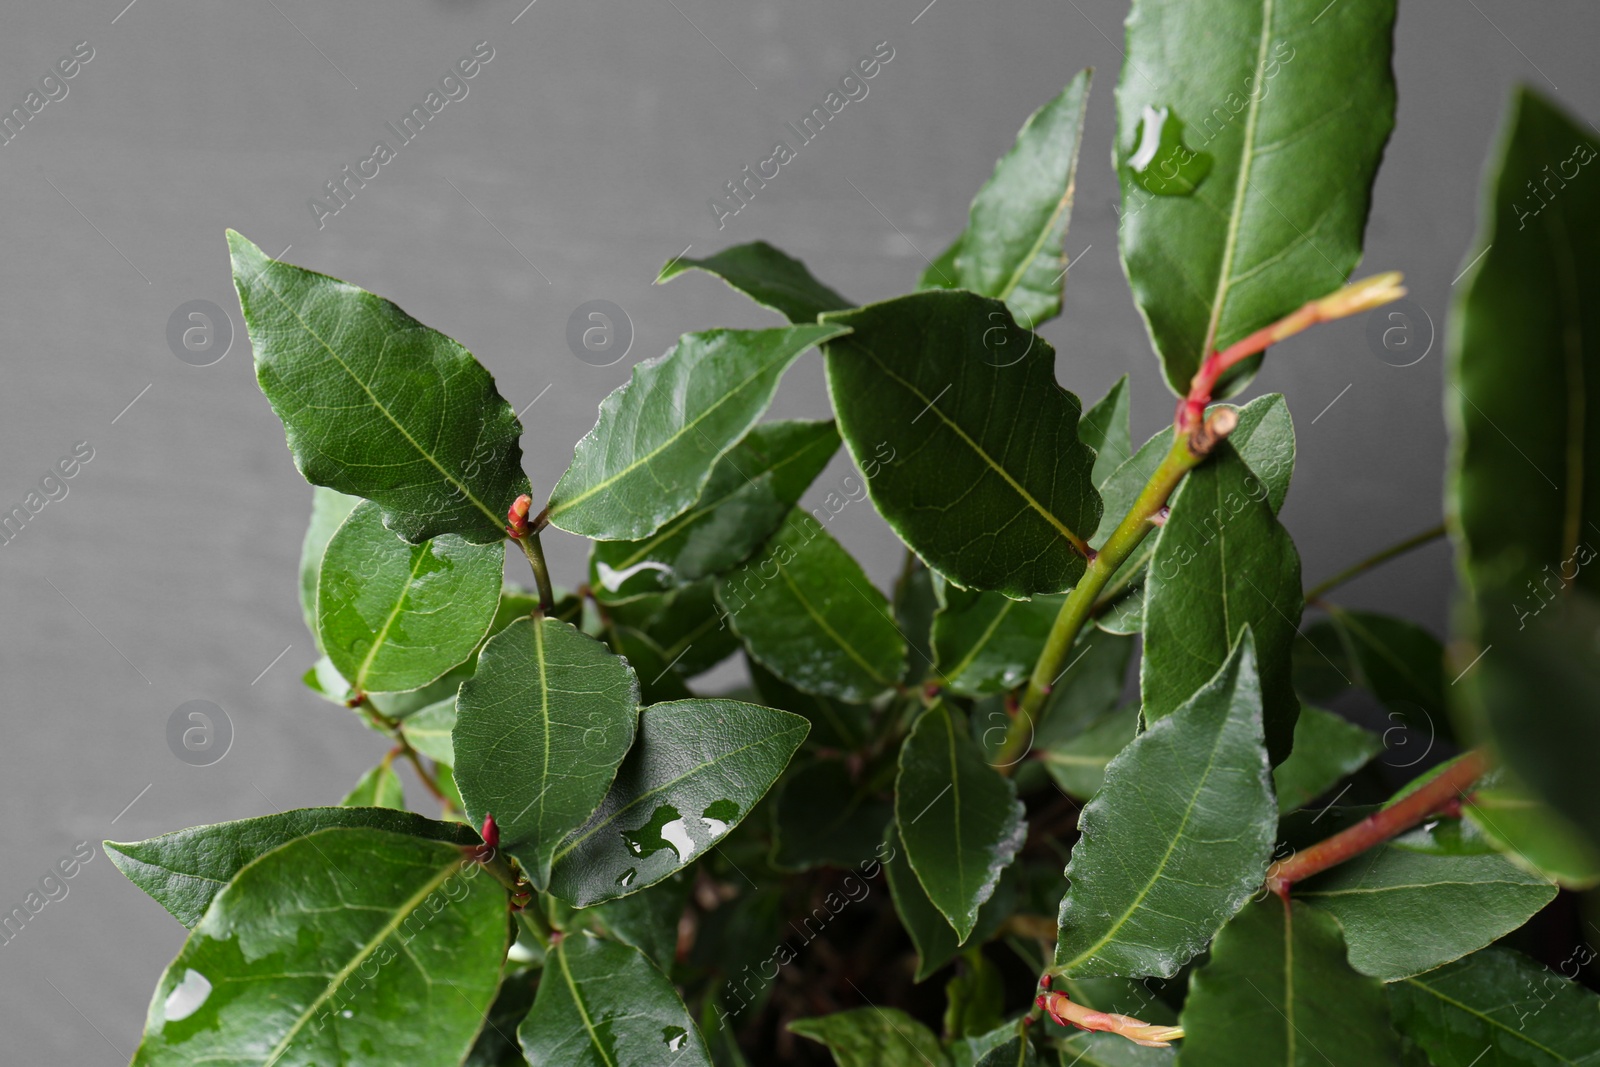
[(347, 1014), (187, 996), (1160, 162), (625, 879), (675, 1037), (664, 830), (718, 815)]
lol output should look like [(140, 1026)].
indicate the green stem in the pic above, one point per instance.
[(541, 571), (1188, 449), (1423, 538)]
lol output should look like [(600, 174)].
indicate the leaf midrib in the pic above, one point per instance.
[(419, 554), (583, 1010), (1489, 1019)]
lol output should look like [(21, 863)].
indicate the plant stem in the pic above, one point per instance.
[(1417, 541), (1381, 825), (541, 572), (1075, 611)]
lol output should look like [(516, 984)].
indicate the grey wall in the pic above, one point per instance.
[(591, 141)]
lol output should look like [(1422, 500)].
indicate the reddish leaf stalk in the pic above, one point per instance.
[(1441, 795)]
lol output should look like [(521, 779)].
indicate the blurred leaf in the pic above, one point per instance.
[(1498, 1008), (328, 510), (1106, 428), (696, 771), (346, 939), (378, 788), (986, 642), (1326, 749), (823, 818), (806, 610), (874, 1037), (767, 275), (1088, 688), (974, 998), (1291, 155), (1018, 1052), (1396, 661), (184, 870), (497, 1043), (1277, 990), (395, 616), (605, 1005), (940, 396), (1173, 843), (1530, 834), (834, 723), (915, 600), (657, 680), (659, 435), (378, 405), (1078, 764), (958, 818), (540, 731), (1390, 901), (647, 920), (1112, 1050)]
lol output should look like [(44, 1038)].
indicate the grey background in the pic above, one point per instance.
[(592, 141)]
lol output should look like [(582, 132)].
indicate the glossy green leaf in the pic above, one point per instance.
[(601, 1004), (769, 276), (750, 493), (1327, 747), (1012, 247), (378, 405), (540, 731), (658, 437), (1264, 439), (1112, 1050), (969, 447), (959, 820), (647, 920), (1222, 562), (1389, 902), (378, 788), (1531, 834), (1278, 220), (342, 941), (1498, 1008), (328, 510), (697, 770), (1178, 837), (825, 818), (874, 1037), (395, 616), (1107, 429), (428, 731), (1078, 764), (834, 723), (184, 870), (806, 610), (1278, 990), (930, 932), (986, 642)]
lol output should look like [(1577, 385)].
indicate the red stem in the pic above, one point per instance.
[(1380, 826)]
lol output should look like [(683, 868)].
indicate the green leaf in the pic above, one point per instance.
[(649, 920), (1078, 764), (1222, 562), (1088, 689), (184, 870), (659, 435), (345, 940), (1264, 439), (930, 932), (751, 491), (959, 820), (428, 731), (1530, 834), (874, 1037), (1112, 1050), (834, 723), (974, 998), (601, 1004), (1396, 661), (915, 599), (395, 616), (1279, 218), (1106, 429), (824, 818), (942, 398), (1178, 837), (1277, 990), (540, 730), (941, 272), (378, 405), (657, 680), (497, 1043), (1327, 747), (1389, 902), (1012, 248), (1498, 1008), (378, 788), (986, 642), (328, 510), (772, 278), (1018, 1052), (698, 768), (806, 610)]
